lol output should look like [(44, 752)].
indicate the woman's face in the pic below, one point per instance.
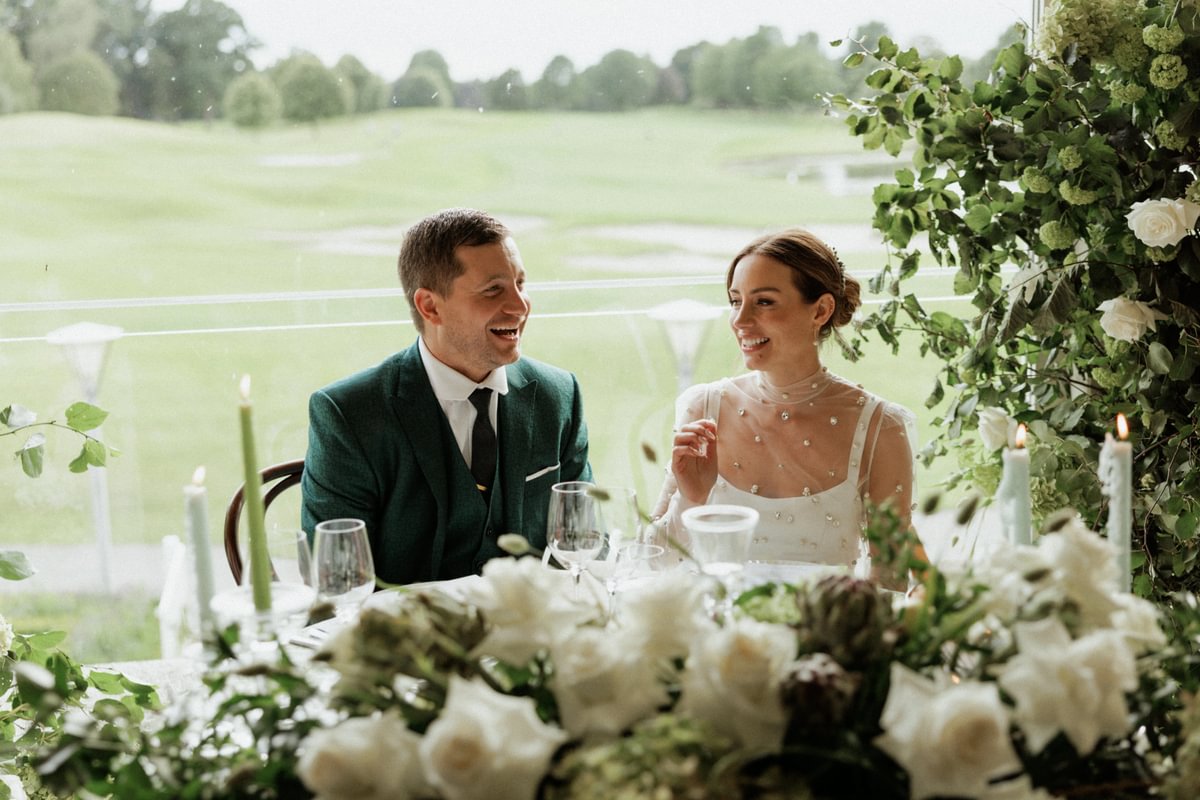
[(774, 325)]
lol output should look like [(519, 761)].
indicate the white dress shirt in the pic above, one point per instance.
[(453, 391)]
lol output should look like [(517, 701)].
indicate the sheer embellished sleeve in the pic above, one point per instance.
[(888, 459), (697, 402)]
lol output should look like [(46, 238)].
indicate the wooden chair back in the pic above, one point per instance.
[(276, 479)]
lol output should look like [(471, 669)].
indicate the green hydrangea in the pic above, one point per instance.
[(1127, 93), (1130, 53), (1076, 195), (1036, 181), (1106, 379), (1164, 40), (1070, 157), (1161, 255), (1166, 135), (1192, 192), (1057, 235), (1167, 71), (1083, 23)]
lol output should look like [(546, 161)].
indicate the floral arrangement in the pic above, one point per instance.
[(1031, 679), (1074, 164)]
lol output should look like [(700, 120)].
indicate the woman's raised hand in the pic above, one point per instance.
[(694, 459)]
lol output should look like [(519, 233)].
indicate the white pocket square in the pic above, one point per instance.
[(541, 472)]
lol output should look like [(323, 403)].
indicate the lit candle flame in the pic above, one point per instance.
[(244, 387), (1019, 438), (1122, 427), (198, 476)]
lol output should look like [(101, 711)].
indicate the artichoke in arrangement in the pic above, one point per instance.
[(848, 618), (818, 691)]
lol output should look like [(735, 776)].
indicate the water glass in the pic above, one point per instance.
[(575, 531), (720, 538), (631, 562), (345, 569)]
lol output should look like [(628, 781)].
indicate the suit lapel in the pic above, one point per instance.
[(416, 407), (515, 414)]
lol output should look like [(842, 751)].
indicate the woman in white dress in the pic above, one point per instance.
[(801, 445)]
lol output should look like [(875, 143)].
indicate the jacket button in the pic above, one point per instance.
[(491, 533)]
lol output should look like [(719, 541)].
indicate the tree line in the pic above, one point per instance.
[(110, 57)]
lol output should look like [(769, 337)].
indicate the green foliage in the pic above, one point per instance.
[(506, 92), (620, 81), (1037, 168), (80, 83), (421, 88), (370, 92), (310, 91), (252, 101), (80, 418), (18, 92), (553, 88)]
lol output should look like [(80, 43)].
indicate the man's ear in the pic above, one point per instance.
[(428, 306)]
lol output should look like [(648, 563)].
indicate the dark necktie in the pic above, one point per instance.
[(483, 441)]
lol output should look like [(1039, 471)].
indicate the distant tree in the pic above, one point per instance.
[(671, 89), (506, 92), (684, 63), (195, 52), (123, 41), (620, 81), (742, 63), (709, 84), (310, 91), (431, 61), (64, 27), (370, 92), (80, 83), (553, 89), (252, 101), (469, 95), (18, 92), (422, 88), (792, 77)]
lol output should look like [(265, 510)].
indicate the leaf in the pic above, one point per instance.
[(978, 218), (17, 416), (853, 60), (1160, 358), (85, 416), (14, 566), (32, 455), (1185, 526)]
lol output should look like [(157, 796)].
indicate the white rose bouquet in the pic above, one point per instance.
[(1033, 679)]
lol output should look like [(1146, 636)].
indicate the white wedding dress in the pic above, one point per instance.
[(806, 457)]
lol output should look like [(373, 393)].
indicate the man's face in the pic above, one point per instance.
[(477, 326)]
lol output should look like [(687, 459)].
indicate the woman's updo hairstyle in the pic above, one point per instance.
[(816, 270)]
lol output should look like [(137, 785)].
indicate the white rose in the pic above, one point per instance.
[(1076, 687), (733, 681), (1137, 620), (996, 428), (664, 616), (1162, 223), (1013, 575), (487, 745), (1128, 320), (6, 635), (527, 606), (1085, 571), (363, 758), (951, 738), (602, 683)]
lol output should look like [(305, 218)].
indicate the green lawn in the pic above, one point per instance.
[(115, 209)]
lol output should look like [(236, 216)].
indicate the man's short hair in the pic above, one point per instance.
[(427, 259)]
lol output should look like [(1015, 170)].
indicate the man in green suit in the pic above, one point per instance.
[(456, 439)]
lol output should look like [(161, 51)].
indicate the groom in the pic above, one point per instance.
[(456, 439)]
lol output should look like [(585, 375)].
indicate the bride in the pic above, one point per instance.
[(803, 446)]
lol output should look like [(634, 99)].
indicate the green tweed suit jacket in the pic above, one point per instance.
[(380, 449)]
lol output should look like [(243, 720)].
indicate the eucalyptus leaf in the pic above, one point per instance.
[(1159, 358), (32, 455)]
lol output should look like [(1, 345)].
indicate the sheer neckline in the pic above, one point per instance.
[(804, 390)]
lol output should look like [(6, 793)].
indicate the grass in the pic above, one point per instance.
[(116, 208)]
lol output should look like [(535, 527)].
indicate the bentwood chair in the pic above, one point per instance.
[(275, 480)]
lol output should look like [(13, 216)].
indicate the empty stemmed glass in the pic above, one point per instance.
[(344, 567), (720, 538), (631, 561), (574, 525)]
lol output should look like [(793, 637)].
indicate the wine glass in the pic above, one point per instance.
[(631, 561), (345, 569), (620, 510), (574, 525), (720, 542)]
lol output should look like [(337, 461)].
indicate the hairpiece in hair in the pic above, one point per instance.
[(841, 266)]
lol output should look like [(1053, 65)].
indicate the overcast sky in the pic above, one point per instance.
[(482, 38)]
